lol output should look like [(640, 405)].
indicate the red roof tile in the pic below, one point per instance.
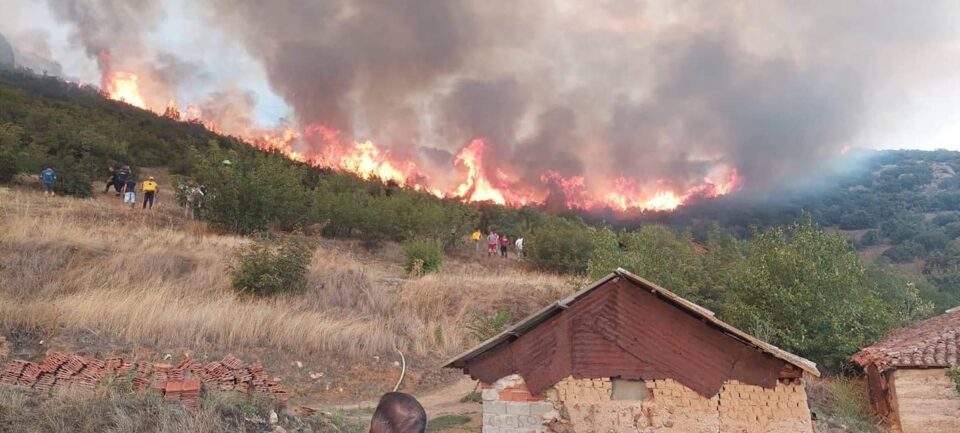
[(928, 343)]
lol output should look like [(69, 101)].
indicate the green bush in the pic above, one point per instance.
[(676, 264), (267, 267), (954, 374), (807, 292), (560, 245), (423, 256), (485, 326)]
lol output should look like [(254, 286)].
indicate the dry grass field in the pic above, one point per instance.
[(152, 278), (72, 268)]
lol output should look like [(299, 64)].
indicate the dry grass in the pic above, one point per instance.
[(123, 411), (152, 278)]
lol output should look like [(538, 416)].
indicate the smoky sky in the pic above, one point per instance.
[(108, 25), (654, 90)]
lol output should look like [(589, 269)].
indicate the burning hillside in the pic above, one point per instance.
[(583, 105), (322, 146)]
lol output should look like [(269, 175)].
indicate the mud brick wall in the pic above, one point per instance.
[(588, 405), (926, 401), (748, 408), (509, 407)]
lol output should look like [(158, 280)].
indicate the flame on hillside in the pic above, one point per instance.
[(369, 161)]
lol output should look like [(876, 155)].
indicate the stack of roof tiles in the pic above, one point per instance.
[(934, 342), (178, 384)]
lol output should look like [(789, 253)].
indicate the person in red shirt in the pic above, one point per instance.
[(504, 242)]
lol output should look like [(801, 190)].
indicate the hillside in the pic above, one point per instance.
[(93, 277), (85, 275), (897, 208)]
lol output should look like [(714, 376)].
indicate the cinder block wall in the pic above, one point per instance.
[(926, 401), (508, 407), (588, 405)]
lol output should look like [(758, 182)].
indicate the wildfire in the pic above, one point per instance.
[(122, 86), (476, 187), (366, 160)]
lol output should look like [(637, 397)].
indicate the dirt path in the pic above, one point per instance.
[(442, 401)]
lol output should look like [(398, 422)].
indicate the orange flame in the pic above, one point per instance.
[(366, 160), (476, 187), (122, 86)]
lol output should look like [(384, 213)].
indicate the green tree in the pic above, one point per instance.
[(560, 245), (807, 292)]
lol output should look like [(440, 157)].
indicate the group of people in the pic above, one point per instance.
[(497, 243), (125, 184)]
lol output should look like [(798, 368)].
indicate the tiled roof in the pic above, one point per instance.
[(928, 343)]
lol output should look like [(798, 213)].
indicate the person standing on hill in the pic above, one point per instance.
[(120, 180), (492, 241), (111, 180), (475, 237), (192, 199), (130, 192), (47, 176), (150, 191), (519, 245), (504, 243)]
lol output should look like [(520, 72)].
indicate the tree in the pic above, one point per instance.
[(807, 292), (560, 245)]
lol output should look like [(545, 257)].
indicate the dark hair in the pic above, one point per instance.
[(398, 413)]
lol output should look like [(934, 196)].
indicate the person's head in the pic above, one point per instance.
[(398, 413), (151, 178)]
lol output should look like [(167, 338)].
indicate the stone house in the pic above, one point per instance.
[(624, 355), (906, 375)]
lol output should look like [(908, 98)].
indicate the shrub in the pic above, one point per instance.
[(73, 180), (953, 372), (810, 293), (560, 245), (485, 326), (423, 256), (268, 267), (851, 405)]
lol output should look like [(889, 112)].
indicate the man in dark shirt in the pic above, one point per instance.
[(130, 192), (121, 179)]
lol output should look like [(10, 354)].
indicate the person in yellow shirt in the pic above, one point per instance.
[(475, 237), (150, 191)]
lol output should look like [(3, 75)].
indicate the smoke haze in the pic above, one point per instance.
[(668, 92)]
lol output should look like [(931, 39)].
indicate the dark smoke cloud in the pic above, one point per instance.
[(655, 90)]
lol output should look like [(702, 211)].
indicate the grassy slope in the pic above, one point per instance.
[(93, 276)]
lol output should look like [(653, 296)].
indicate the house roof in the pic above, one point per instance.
[(928, 343), (535, 319)]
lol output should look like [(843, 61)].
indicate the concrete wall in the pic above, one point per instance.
[(926, 401), (587, 406), (508, 407)]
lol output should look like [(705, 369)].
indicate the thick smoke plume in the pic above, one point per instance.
[(663, 92)]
